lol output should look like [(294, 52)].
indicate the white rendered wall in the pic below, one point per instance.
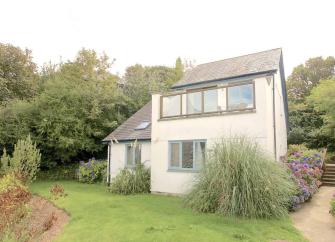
[(257, 125), (118, 156)]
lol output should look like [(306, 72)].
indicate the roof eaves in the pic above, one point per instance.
[(224, 79)]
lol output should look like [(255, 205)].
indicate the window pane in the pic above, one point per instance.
[(138, 154), (174, 155), (171, 106), (130, 155), (187, 154), (194, 102), (240, 97), (200, 152), (211, 100)]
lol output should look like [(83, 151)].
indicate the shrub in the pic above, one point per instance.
[(26, 159), (92, 171), (4, 162), (57, 191), (13, 197), (131, 181), (306, 171), (63, 172), (239, 179)]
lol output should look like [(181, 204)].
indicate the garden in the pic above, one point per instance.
[(240, 195)]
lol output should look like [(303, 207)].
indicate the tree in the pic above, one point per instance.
[(305, 77), (141, 81), (179, 67), (18, 73)]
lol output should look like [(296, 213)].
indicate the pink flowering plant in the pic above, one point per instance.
[(305, 167)]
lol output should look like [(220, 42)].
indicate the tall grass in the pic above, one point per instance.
[(239, 179), (131, 181)]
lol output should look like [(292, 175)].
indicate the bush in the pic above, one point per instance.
[(239, 179), (4, 162), (57, 191), (26, 159), (131, 181), (62, 172), (92, 171), (13, 197), (306, 171)]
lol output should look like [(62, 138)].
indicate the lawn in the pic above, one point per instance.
[(97, 215)]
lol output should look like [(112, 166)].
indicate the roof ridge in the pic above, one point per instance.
[(239, 56)]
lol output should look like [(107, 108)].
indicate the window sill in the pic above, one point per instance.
[(201, 115), (183, 170)]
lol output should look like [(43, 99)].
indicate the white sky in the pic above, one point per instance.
[(157, 32)]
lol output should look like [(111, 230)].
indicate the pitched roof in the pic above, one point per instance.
[(127, 130), (233, 67)]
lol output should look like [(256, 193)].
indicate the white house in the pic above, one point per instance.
[(244, 95)]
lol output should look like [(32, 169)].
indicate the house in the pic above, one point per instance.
[(244, 95)]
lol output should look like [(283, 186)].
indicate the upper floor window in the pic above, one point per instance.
[(233, 97), (240, 97), (171, 106)]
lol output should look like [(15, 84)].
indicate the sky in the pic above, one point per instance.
[(156, 32)]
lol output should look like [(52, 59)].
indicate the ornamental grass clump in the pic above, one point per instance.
[(131, 181), (239, 179)]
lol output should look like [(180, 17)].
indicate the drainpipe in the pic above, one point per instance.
[(274, 117), (109, 162)]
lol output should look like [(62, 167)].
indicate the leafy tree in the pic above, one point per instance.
[(17, 73), (141, 81), (305, 77), (179, 67)]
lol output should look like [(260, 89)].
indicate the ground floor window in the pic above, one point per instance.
[(187, 155), (133, 154)]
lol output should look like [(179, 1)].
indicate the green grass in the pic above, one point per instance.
[(97, 215)]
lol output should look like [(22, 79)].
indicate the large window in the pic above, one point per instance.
[(171, 106), (232, 97), (211, 101), (187, 155), (194, 100), (133, 154), (240, 97)]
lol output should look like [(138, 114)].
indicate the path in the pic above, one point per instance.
[(314, 219)]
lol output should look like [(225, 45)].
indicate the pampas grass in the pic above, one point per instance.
[(239, 179)]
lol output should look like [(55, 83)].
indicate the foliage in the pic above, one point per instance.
[(13, 197), (306, 171), (60, 172), (131, 181), (98, 216), (26, 159), (332, 206), (92, 171), (305, 77), (57, 191), (17, 73), (309, 126), (240, 180), (4, 162), (141, 81), (323, 99)]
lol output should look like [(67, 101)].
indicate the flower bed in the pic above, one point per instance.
[(306, 170)]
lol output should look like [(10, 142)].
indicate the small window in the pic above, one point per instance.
[(241, 97), (133, 154), (187, 155), (211, 101), (143, 125), (171, 106), (194, 102)]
